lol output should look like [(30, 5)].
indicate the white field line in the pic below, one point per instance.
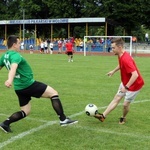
[(23, 134), (48, 123), (140, 136)]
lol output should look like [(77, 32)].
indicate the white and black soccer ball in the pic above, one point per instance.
[(91, 109)]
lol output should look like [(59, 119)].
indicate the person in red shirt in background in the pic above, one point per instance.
[(131, 81), (69, 51), (60, 46)]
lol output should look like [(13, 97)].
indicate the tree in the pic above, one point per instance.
[(128, 14)]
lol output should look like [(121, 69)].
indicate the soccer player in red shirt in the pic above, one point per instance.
[(69, 51), (131, 81)]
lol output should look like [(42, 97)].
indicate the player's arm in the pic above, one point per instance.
[(113, 71), (133, 78), (66, 46), (1, 64), (11, 75)]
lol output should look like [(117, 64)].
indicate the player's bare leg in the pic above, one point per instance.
[(126, 107), (110, 107)]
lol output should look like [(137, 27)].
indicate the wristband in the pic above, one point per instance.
[(126, 87)]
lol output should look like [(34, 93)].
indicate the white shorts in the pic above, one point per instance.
[(129, 95)]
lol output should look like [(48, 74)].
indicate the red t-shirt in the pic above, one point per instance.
[(69, 47), (127, 66)]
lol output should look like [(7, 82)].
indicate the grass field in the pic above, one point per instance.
[(79, 83)]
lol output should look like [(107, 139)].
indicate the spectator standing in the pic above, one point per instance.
[(51, 47), (42, 47), (22, 45), (146, 37), (108, 45), (134, 39), (81, 45), (45, 47), (31, 49), (48, 44), (59, 46)]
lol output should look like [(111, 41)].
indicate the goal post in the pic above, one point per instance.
[(88, 45)]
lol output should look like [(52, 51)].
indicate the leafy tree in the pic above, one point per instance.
[(3, 10), (128, 14), (124, 14)]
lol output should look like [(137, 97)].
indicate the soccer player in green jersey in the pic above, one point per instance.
[(21, 76)]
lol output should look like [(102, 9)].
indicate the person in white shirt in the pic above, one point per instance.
[(42, 47), (146, 37), (22, 45), (81, 46), (31, 49), (46, 47), (51, 47)]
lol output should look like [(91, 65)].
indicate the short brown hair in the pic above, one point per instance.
[(11, 40), (118, 41)]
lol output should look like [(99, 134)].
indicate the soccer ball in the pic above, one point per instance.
[(91, 109)]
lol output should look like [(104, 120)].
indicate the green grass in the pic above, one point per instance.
[(78, 83)]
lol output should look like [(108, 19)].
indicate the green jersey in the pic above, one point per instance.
[(24, 74)]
